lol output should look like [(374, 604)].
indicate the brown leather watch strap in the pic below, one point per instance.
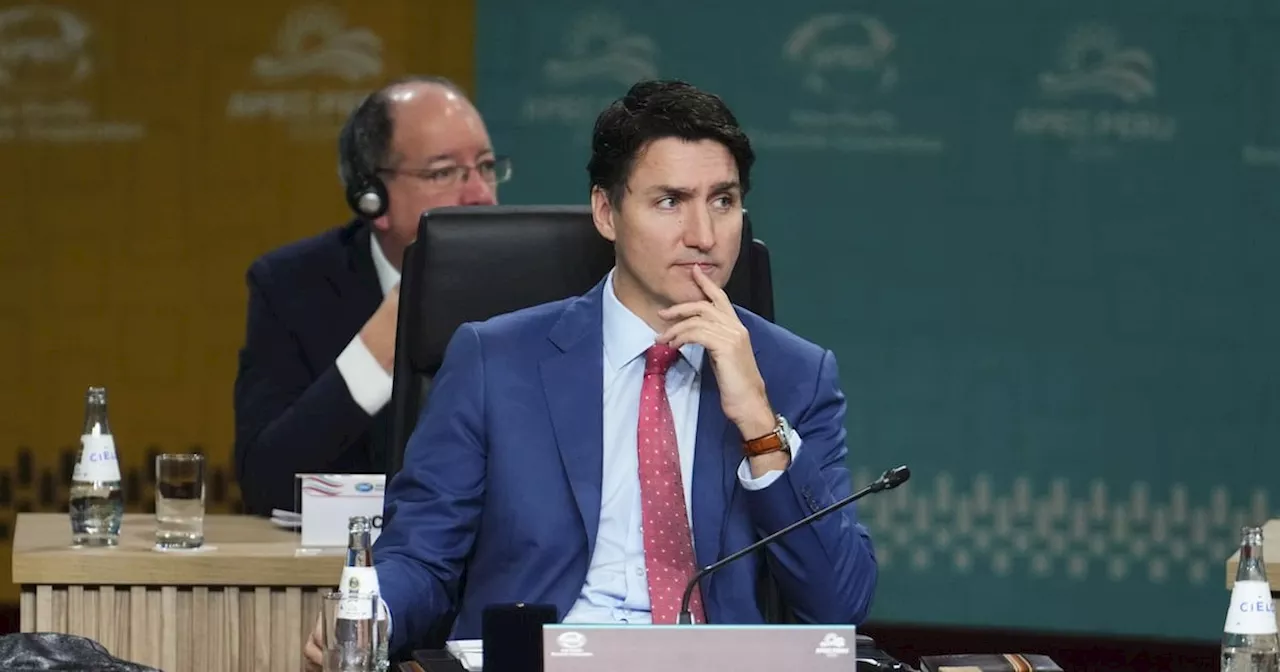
[(769, 443)]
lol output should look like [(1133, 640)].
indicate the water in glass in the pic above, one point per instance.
[(180, 501)]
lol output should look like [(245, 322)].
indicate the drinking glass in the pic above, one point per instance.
[(350, 631), (179, 500)]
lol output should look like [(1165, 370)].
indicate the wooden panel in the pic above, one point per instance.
[(27, 610), (201, 617), (44, 608), (75, 610), (113, 610), (220, 642), (180, 629), (169, 628), (291, 639)]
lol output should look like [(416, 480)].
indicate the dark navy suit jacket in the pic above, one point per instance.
[(502, 478), (293, 410)]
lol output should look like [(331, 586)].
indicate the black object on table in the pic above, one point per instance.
[(512, 636)]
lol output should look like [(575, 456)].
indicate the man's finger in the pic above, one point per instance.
[(712, 290), (685, 310), (681, 329), (700, 330)]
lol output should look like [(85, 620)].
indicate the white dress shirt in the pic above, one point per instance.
[(368, 382)]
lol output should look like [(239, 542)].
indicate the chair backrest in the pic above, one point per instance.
[(474, 263)]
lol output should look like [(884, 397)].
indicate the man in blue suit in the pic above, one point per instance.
[(315, 370), (590, 453)]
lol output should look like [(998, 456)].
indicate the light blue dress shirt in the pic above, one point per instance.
[(616, 589)]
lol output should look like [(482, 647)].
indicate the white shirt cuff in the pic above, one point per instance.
[(368, 382), (766, 479)]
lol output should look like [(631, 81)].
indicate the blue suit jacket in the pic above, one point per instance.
[(502, 480)]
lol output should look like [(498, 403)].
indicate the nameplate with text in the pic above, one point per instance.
[(328, 501)]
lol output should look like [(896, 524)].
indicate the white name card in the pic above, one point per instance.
[(328, 501)]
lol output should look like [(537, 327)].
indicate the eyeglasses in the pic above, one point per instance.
[(494, 171)]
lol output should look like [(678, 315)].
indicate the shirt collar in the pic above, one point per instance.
[(627, 337), (388, 276)]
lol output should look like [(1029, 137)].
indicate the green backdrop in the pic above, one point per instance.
[(1042, 239)]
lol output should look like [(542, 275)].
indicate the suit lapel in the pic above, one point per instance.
[(573, 381), (354, 279)]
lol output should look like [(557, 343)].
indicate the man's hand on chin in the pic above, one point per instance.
[(713, 324)]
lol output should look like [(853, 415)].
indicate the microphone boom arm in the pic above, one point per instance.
[(887, 481)]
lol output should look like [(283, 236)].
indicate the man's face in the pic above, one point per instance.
[(436, 132), (682, 207)]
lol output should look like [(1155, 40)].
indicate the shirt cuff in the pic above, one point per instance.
[(766, 479), (368, 382)]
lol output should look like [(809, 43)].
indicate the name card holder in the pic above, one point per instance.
[(328, 501), (741, 648)]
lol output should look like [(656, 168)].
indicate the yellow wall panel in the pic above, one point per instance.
[(148, 152)]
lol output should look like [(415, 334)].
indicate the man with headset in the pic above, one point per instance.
[(315, 369)]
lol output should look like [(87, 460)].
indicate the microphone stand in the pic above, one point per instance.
[(887, 481)]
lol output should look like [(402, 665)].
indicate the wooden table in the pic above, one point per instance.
[(246, 602), (1270, 554)]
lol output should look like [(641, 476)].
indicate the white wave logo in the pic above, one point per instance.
[(43, 36), (597, 47), (831, 646), (572, 645), (844, 64), (1094, 61), (315, 41), (46, 51), (843, 53)]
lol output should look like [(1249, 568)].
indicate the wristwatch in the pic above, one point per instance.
[(778, 439)]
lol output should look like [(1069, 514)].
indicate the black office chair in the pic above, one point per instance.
[(473, 263)]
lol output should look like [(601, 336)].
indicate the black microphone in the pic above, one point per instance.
[(887, 481)]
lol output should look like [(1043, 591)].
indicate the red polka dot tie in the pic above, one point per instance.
[(668, 545)]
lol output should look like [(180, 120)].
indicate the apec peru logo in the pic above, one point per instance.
[(598, 59), (1099, 97), (315, 44), (47, 57), (846, 76)]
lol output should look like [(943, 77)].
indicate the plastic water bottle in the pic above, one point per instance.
[(359, 576), (97, 503), (1249, 641)]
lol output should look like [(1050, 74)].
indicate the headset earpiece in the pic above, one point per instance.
[(368, 197)]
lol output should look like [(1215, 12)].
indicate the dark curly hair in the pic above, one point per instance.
[(656, 109)]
